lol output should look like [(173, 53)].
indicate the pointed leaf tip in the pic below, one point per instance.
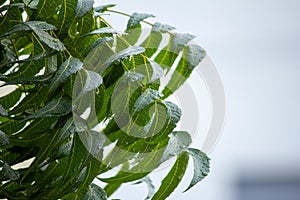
[(164, 28), (136, 18), (201, 166), (95, 192), (173, 178), (103, 8)]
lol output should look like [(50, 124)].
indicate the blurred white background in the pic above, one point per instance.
[(255, 46)]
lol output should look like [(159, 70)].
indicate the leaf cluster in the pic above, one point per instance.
[(56, 54)]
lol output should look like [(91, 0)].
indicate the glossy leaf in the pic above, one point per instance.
[(30, 26), (130, 51), (179, 141), (6, 7), (83, 6), (168, 55), (192, 55), (136, 18), (82, 87), (57, 107), (39, 28), (103, 8), (164, 28), (69, 67), (12, 126), (46, 9), (173, 178), (7, 173), (92, 80), (3, 112), (95, 193), (37, 80), (105, 30), (4, 140), (201, 166), (11, 18), (50, 41), (177, 144)]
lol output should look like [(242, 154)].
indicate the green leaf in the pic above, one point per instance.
[(4, 139), (34, 133), (103, 8), (147, 98), (81, 168), (152, 43), (98, 43), (95, 193), (46, 9), (37, 80), (168, 55), (66, 15), (12, 126), (142, 65), (133, 30), (7, 173), (136, 18), (146, 161), (3, 112), (57, 107), (83, 7), (85, 83), (39, 28), (173, 178), (11, 18), (6, 7), (30, 26), (125, 177), (91, 80), (40, 56), (192, 55), (118, 57), (105, 30), (201, 166), (164, 28), (43, 47), (54, 138), (31, 102), (32, 68), (172, 118), (50, 41), (45, 178), (69, 67), (178, 143), (110, 188), (66, 131)]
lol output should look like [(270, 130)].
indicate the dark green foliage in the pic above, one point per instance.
[(63, 58)]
